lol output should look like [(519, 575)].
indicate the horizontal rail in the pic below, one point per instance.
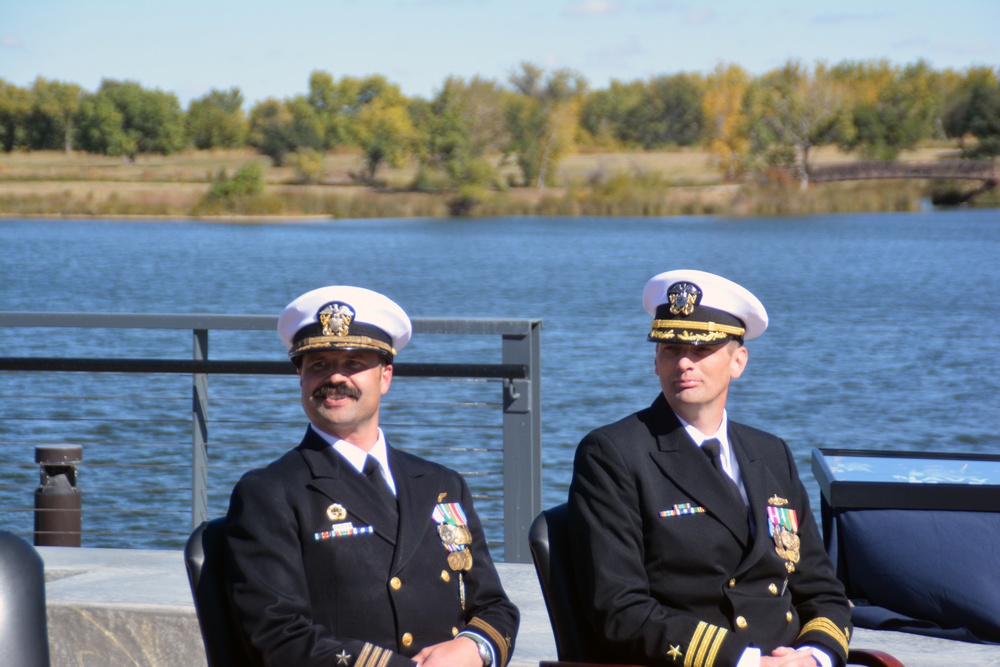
[(515, 380), (430, 325), (187, 366)]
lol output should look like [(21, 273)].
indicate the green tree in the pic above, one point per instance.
[(670, 112), (604, 114), (542, 118), (15, 105), (278, 128), (217, 120), (332, 101), (272, 130), (973, 109), (460, 129), (102, 128), (793, 110), (151, 121), (901, 115), (54, 114)]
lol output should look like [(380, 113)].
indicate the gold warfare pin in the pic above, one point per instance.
[(336, 512)]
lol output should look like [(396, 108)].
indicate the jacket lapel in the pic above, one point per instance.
[(681, 460), (759, 483), (343, 485), (417, 491)]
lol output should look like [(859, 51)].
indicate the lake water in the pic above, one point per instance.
[(882, 328)]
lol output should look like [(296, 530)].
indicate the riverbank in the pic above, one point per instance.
[(661, 183)]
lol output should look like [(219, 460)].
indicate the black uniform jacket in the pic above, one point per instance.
[(667, 566), (320, 577)]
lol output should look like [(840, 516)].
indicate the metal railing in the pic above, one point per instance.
[(517, 373)]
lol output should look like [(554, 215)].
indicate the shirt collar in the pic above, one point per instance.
[(356, 456)]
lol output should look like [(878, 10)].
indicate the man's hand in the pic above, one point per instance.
[(789, 657), (459, 652)]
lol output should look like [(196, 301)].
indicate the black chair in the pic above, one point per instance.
[(576, 645), (204, 556), (24, 636)]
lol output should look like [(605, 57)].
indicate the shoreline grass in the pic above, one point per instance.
[(656, 183)]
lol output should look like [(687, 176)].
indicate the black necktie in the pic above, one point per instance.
[(373, 471), (712, 448)]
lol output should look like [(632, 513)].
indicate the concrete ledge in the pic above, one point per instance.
[(111, 607)]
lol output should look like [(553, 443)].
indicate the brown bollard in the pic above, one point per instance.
[(58, 503)]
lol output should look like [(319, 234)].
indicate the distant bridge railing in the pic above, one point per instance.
[(980, 170), (135, 408)]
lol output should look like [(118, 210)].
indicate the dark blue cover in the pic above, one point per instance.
[(929, 572)]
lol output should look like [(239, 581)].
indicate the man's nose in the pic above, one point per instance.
[(685, 360)]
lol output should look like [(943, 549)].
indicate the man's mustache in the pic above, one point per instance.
[(338, 390)]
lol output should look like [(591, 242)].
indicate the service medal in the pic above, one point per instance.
[(460, 560)]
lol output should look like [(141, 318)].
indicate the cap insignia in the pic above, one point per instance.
[(335, 318), (683, 298)]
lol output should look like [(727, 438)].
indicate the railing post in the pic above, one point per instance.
[(58, 502), (199, 434), (522, 448)]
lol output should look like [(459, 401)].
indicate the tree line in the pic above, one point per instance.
[(471, 129)]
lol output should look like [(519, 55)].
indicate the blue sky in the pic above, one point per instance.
[(268, 49)]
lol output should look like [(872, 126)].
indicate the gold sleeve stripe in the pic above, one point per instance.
[(495, 637), (713, 653), (827, 627), (384, 660), (364, 655), (705, 644), (698, 326)]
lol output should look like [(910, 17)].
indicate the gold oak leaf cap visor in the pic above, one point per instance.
[(341, 317), (698, 308)]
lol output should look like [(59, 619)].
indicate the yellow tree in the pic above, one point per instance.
[(725, 118), (385, 134)]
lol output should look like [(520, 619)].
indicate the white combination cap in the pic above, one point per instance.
[(699, 308), (341, 317)]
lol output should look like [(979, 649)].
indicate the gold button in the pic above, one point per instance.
[(454, 632), (773, 589), (396, 583), (741, 622), (445, 577), (732, 582), (407, 639), (788, 616)]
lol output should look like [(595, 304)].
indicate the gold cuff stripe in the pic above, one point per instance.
[(705, 644), (698, 326), (495, 637), (366, 651), (343, 341), (827, 627), (384, 660)]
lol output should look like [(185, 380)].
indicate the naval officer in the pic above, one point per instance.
[(693, 541), (349, 552)]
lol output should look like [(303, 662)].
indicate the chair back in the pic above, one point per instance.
[(204, 557), (550, 551), (24, 636)]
